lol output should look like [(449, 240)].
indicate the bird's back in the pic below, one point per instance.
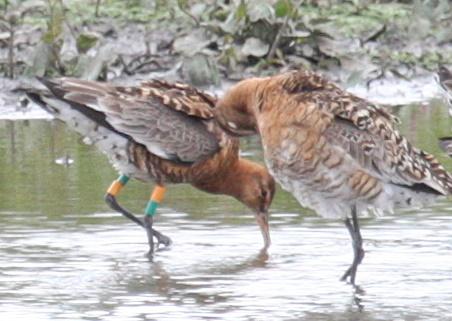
[(156, 130)]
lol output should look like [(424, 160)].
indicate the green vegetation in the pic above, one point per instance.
[(233, 38)]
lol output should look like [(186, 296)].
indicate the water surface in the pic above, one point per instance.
[(64, 255)]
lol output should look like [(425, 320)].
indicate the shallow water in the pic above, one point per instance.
[(64, 255)]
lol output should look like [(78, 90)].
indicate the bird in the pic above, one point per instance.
[(338, 154), (443, 78), (159, 132)]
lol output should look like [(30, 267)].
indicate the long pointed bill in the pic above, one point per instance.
[(262, 220)]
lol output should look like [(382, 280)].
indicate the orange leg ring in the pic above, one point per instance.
[(117, 185), (156, 198)]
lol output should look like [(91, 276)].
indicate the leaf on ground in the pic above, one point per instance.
[(337, 48), (255, 47), (90, 68), (201, 70), (231, 25), (54, 24), (192, 43), (283, 8), (41, 60), (298, 34), (198, 9), (86, 41), (68, 52), (444, 36), (240, 12), (259, 10), (355, 78)]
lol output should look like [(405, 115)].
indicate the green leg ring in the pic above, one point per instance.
[(151, 208), (123, 179)]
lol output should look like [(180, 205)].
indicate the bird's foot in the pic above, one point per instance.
[(350, 273), (162, 239)]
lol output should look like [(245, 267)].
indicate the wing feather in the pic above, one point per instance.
[(367, 132), (148, 116)]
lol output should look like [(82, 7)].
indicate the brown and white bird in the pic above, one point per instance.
[(163, 133), (338, 154), (444, 79)]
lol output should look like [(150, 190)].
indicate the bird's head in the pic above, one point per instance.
[(235, 110), (255, 188)]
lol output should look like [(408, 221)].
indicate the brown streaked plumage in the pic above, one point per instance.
[(338, 154), (160, 132), (444, 79)]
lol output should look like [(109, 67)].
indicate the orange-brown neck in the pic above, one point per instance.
[(243, 180), (226, 180)]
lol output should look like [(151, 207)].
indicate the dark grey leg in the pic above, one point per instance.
[(149, 213), (148, 220), (357, 242), (114, 205), (112, 202)]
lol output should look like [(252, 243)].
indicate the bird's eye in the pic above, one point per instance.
[(232, 125)]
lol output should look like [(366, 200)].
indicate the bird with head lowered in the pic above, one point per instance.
[(338, 154), (159, 132)]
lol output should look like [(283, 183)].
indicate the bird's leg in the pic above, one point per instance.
[(357, 241), (110, 199), (156, 198)]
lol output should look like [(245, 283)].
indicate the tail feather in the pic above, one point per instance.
[(36, 96), (438, 173), (84, 93), (72, 84), (84, 120), (54, 101)]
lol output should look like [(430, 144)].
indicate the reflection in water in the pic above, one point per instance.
[(358, 297), (65, 255), (11, 129)]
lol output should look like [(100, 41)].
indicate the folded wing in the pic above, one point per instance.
[(167, 119), (367, 132)]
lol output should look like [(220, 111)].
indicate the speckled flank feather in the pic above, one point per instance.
[(333, 150)]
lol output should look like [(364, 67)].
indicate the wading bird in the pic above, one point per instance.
[(444, 79), (335, 152), (159, 132)]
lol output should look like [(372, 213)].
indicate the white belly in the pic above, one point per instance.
[(336, 203)]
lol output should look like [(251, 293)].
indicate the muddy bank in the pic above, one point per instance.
[(384, 51)]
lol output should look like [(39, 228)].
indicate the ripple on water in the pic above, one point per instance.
[(101, 271), (58, 263)]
